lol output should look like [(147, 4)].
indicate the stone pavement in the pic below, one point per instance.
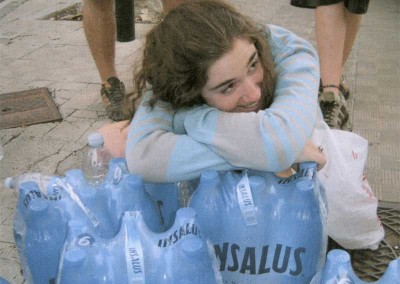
[(42, 53)]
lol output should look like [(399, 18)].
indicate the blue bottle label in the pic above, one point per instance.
[(245, 200)]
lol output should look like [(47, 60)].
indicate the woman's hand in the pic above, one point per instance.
[(115, 135), (312, 153), (286, 173)]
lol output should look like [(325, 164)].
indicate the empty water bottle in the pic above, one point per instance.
[(95, 164), (42, 181)]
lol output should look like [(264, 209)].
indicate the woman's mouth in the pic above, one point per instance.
[(254, 106)]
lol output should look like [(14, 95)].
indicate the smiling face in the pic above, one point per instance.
[(222, 58), (234, 80)]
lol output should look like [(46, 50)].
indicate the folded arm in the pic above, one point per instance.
[(159, 155)]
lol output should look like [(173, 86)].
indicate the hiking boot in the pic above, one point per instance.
[(114, 98), (344, 87), (333, 109)]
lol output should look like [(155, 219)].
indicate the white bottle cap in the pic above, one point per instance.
[(95, 140)]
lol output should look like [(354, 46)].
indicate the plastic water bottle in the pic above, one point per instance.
[(136, 254), (43, 181), (95, 164), (38, 234), (264, 229)]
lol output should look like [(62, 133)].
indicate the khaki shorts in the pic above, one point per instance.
[(354, 6)]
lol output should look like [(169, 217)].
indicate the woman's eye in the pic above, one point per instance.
[(228, 89), (253, 66)]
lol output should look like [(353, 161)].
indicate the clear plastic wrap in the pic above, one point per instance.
[(40, 222), (264, 229), (138, 255), (250, 227)]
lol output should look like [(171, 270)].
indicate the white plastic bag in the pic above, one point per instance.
[(352, 206)]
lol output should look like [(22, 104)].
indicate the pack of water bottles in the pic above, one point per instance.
[(264, 229), (105, 225)]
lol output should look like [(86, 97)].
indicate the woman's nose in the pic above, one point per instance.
[(251, 91)]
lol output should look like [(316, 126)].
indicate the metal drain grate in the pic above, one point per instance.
[(27, 107), (370, 265)]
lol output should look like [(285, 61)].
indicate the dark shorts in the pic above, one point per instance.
[(354, 6)]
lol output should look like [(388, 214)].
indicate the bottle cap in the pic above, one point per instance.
[(338, 256), (185, 214), (74, 257), (192, 245), (38, 208), (95, 140), (9, 182), (257, 183), (305, 185)]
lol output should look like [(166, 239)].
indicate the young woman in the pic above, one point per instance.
[(220, 92)]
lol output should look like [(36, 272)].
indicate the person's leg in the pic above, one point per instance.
[(330, 34), (100, 31), (352, 26)]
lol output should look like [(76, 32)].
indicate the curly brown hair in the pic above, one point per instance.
[(180, 49)]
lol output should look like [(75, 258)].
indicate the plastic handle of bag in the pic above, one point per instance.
[(68, 188), (117, 175), (245, 199)]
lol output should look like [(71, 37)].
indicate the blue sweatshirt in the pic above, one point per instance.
[(164, 146)]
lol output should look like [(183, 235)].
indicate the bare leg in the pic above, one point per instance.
[(100, 30), (330, 33), (352, 26)]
